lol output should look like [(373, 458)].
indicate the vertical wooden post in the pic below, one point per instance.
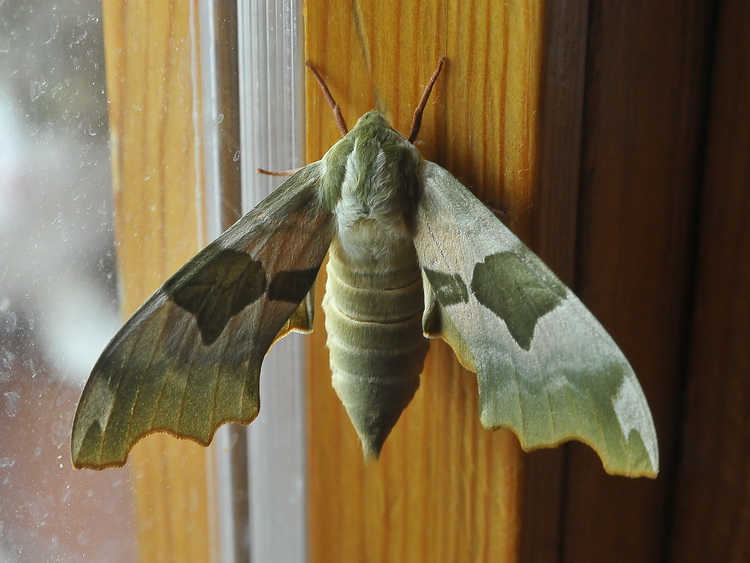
[(444, 489), (712, 504), (152, 87), (646, 73)]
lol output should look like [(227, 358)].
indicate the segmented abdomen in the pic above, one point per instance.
[(377, 349)]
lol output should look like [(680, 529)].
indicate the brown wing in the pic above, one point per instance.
[(189, 359)]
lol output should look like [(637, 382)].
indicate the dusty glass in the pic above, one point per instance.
[(58, 304)]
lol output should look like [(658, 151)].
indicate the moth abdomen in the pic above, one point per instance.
[(375, 341)]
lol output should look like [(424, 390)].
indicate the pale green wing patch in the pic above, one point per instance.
[(189, 359), (546, 368)]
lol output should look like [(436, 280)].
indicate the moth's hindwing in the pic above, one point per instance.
[(188, 360), (546, 368)]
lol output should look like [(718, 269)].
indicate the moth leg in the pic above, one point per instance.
[(499, 212), (340, 123), (416, 121), (277, 172)]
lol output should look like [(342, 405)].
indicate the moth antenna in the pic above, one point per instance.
[(416, 122), (277, 172), (340, 123)]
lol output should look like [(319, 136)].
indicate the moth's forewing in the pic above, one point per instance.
[(189, 359)]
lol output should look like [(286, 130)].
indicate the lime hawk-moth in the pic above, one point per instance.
[(412, 254)]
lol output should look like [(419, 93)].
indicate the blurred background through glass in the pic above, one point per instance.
[(58, 305)]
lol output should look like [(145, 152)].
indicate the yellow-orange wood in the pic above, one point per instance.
[(151, 80), (444, 489)]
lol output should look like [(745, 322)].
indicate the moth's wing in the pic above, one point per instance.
[(546, 368), (189, 359)]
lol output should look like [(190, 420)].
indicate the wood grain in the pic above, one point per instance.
[(712, 508), (157, 176), (644, 106), (444, 489), (553, 238)]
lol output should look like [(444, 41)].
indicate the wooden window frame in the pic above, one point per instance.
[(575, 118)]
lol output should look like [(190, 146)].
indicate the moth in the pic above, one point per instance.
[(412, 254)]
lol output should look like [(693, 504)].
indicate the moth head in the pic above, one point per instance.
[(374, 172), (373, 119)]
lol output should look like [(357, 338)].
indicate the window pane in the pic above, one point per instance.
[(57, 283)]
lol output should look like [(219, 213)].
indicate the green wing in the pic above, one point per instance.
[(547, 370), (189, 359)]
